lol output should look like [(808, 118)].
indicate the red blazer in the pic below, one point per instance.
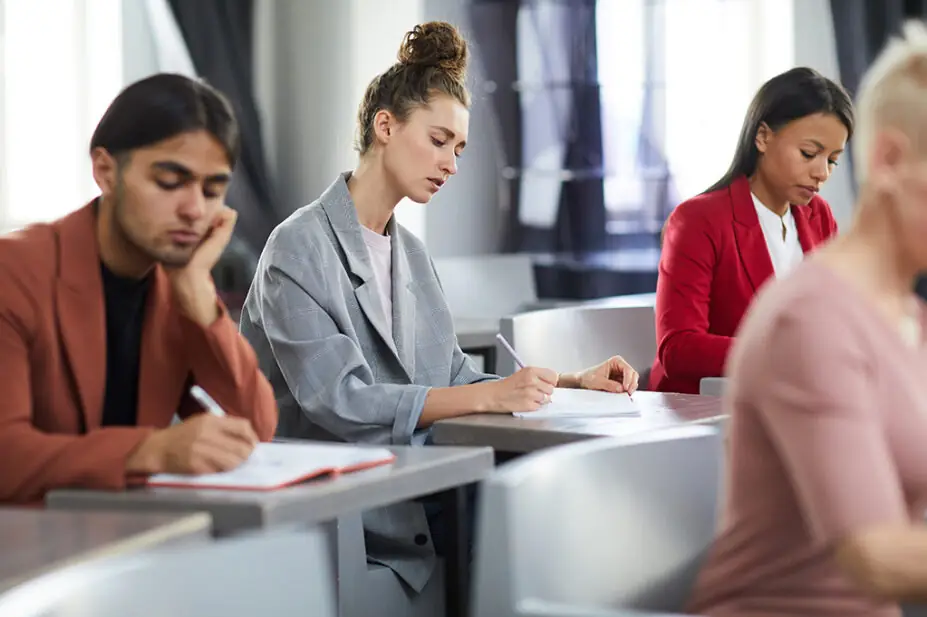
[(53, 365), (713, 261)]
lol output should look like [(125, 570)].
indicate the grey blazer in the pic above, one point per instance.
[(315, 321)]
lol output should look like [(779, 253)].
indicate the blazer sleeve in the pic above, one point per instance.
[(38, 462), (324, 369), (224, 364), (685, 348)]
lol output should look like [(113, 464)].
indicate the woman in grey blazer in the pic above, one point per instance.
[(346, 313)]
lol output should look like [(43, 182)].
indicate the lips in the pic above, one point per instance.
[(184, 237), (436, 183)]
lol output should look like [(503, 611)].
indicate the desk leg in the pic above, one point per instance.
[(457, 560)]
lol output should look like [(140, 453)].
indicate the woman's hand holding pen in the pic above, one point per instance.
[(526, 390)]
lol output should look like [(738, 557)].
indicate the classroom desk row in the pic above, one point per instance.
[(124, 521)]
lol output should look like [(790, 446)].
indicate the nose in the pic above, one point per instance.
[(193, 206), (820, 170), (449, 165)]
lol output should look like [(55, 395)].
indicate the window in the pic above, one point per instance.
[(60, 66), (676, 79)]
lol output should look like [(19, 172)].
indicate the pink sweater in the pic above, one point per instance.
[(828, 435)]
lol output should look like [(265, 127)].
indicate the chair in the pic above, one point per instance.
[(487, 286), (712, 386), (575, 337), (598, 526), (285, 573)]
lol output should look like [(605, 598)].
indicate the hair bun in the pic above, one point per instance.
[(435, 44)]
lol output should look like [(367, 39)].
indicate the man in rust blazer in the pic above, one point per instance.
[(109, 315)]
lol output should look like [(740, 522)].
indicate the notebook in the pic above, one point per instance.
[(276, 465), (569, 403)]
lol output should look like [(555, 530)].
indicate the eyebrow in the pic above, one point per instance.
[(186, 173), (450, 134), (822, 146)]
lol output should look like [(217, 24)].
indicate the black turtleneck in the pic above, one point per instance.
[(125, 316)]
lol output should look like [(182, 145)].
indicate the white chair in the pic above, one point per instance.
[(712, 386), (575, 337), (286, 573), (599, 526), (487, 286)]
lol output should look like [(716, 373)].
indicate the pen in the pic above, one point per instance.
[(207, 401), (511, 351)]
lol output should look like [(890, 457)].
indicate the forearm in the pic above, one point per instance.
[(44, 462), (454, 401), (694, 355), (888, 563)]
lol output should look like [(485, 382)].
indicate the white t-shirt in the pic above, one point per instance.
[(379, 248), (785, 252)]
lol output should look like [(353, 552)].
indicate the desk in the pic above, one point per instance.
[(506, 433), (417, 471), (477, 336), (35, 541)]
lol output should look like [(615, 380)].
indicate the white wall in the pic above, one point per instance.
[(139, 53), (815, 47)]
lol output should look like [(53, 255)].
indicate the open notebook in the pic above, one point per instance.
[(276, 465), (568, 403)]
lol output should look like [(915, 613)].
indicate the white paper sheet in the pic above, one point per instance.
[(569, 403)]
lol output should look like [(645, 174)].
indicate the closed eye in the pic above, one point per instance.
[(438, 142)]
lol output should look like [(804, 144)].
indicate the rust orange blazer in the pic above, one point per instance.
[(714, 259), (53, 365)]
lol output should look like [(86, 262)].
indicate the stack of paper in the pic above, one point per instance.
[(568, 403), (276, 465)]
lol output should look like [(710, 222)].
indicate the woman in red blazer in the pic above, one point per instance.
[(754, 223)]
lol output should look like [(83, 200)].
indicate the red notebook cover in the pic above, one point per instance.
[(274, 466)]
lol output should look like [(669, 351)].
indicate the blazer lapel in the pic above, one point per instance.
[(339, 207), (403, 303), (81, 311), (806, 235), (163, 369), (751, 244)]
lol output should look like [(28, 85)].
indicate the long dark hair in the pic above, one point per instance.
[(163, 106), (797, 93)]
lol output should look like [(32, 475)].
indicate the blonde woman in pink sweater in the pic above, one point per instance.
[(828, 438)]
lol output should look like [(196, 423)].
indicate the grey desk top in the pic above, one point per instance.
[(417, 471), (507, 433), (35, 541)]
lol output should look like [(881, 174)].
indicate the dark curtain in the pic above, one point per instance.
[(862, 28), (581, 220), (219, 37), (567, 90)]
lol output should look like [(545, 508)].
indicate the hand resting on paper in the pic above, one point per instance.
[(202, 444), (613, 375)]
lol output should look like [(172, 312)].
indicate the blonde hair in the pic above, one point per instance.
[(432, 59), (892, 93)]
